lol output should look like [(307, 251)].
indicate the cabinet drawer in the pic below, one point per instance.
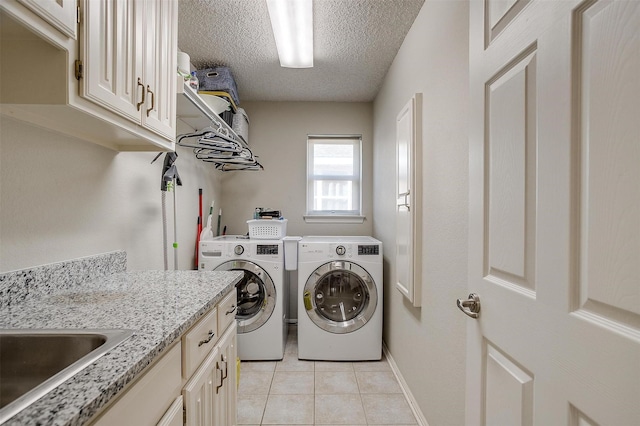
[(198, 342), (227, 311)]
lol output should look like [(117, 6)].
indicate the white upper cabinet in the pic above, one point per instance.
[(161, 30), (115, 85), (112, 56), (61, 14), (129, 60)]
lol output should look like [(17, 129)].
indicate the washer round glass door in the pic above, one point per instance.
[(256, 295), (340, 297)]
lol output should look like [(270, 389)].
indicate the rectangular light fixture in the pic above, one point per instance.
[(292, 23)]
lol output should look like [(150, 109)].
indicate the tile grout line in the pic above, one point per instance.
[(390, 363)]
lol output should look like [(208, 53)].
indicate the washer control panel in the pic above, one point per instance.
[(347, 248), (219, 250), (368, 249), (263, 249)]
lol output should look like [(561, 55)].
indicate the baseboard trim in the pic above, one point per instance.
[(413, 404)]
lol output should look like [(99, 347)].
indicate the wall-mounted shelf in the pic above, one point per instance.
[(208, 128), (195, 112)]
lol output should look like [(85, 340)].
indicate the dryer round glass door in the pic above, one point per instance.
[(340, 297), (256, 295)]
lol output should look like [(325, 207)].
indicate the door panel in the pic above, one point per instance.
[(511, 186), (610, 156), (160, 66), (509, 390), (499, 14), (554, 225), (112, 56), (59, 13)]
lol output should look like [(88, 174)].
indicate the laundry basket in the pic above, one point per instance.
[(267, 229)]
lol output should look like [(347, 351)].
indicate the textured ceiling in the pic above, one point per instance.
[(355, 42)]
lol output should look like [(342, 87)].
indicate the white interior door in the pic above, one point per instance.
[(554, 251)]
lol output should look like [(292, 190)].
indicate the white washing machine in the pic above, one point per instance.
[(340, 298), (262, 293)]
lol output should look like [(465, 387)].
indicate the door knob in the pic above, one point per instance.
[(471, 306)]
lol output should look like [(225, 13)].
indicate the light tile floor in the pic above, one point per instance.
[(294, 392)]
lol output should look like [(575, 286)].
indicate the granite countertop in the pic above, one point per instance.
[(158, 306)]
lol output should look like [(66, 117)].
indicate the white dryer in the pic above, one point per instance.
[(340, 298), (262, 293)]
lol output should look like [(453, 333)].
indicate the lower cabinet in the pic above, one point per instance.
[(210, 394), (174, 415), (194, 383), (226, 406), (146, 401)]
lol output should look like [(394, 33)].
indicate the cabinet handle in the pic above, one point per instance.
[(232, 310), (208, 339), (221, 378), (153, 100), (226, 370), (139, 104), (404, 195)]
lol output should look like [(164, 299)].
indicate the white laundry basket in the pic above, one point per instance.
[(267, 229)]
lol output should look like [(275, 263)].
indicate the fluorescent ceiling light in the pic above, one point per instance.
[(292, 23)]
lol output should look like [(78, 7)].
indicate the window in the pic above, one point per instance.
[(333, 175)]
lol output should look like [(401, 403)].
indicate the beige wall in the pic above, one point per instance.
[(428, 343), (63, 198), (278, 135)]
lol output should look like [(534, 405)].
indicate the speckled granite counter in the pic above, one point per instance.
[(158, 306)]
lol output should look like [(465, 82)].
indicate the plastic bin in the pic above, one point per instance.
[(267, 229)]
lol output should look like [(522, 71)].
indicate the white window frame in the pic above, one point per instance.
[(345, 216)]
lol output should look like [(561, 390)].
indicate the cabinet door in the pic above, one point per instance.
[(145, 401), (111, 47), (226, 401), (200, 392), (409, 200), (61, 14), (159, 75), (174, 415)]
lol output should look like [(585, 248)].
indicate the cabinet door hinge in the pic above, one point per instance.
[(78, 14), (78, 70), (184, 415)]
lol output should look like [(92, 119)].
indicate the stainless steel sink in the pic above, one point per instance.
[(34, 361)]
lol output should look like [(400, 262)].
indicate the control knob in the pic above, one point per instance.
[(340, 250), (238, 249)]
